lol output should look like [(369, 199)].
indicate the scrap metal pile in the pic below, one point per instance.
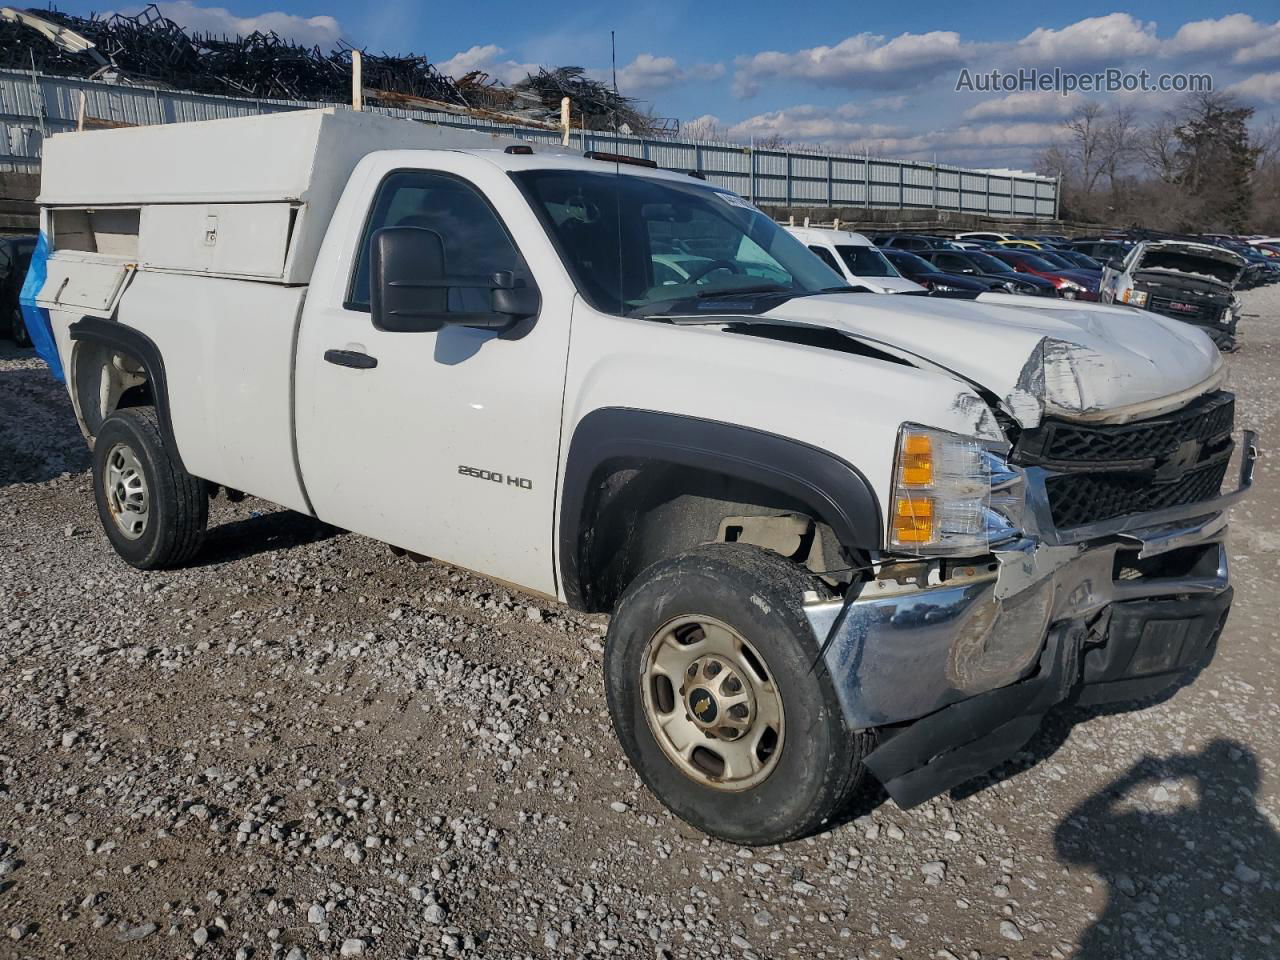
[(152, 49)]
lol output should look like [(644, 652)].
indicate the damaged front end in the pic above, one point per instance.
[(1191, 282), (1104, 578)]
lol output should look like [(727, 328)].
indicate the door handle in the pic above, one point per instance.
[(351, 358)]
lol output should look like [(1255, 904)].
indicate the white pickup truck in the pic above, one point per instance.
[(839, 533)]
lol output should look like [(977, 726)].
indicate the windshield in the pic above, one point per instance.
[(1036, 263), (910, 263), (866, 261), (989, 264), (1057, 259), (637, 245)]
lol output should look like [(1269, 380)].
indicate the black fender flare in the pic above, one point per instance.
[(835, 490), (117, 336)]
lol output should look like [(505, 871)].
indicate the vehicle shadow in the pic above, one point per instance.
[(1191, 865), (261, 533)]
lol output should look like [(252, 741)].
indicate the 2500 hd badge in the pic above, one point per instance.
[(495, 476)]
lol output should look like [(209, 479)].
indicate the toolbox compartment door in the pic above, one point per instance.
[(249, 240), (90, 285)]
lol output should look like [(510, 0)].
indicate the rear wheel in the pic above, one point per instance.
[(153, 511), (712, 693)]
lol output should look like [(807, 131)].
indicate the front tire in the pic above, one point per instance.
[(153, 511), (711, 687)]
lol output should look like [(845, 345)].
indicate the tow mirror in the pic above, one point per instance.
[(406, 294), (409, 288)]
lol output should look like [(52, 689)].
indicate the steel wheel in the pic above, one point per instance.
[(711, 703), (125, 486)]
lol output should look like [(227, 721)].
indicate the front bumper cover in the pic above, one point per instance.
[(957, 665)]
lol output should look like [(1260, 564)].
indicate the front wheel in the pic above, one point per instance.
[(153, 511), (714, 697)]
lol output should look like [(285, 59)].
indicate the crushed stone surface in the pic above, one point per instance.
[(304, 747)]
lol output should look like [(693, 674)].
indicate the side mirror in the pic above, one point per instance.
[(1116, 265), (409, 288), (406, 294)]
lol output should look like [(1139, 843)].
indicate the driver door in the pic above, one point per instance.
[(445, 442)]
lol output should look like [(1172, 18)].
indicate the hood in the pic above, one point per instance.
[(1086, 278), (961, 281), (1040, 357), (891, 284), (1200, 261)]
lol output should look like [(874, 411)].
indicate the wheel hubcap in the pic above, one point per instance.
[(711, 703), (125, 486)]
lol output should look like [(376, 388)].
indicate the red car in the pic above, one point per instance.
[(1071, 284)]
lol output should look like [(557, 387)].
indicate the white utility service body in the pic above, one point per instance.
[(480, 352)]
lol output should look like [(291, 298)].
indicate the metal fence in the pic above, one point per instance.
[(33, 106)]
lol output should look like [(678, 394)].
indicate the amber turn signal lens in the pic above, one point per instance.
[(913, 519), (917, 460)]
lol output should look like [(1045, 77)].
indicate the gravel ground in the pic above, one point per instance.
[(306, 747)]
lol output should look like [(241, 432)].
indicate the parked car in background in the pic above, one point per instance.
[(1018, 244), (985, 235), (15, 258), (915, 267), (1081, 261), (1192, 282), (1100, 249), (978, 264), (1051, 238), (911, 241), (1071, 284), (856, 259)]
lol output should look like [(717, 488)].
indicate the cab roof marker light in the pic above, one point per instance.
[(620, 158)]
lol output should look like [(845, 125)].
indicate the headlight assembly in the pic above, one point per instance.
[(952, 495)]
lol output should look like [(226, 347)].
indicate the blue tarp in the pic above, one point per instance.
[(39, 329)]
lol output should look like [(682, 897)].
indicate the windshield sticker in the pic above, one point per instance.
[(736, 201)]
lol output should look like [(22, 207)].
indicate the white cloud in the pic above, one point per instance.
[(829, 125), (1266, 47), (1246, 39), (1231, 32), (1094, 40), (1030, 104), (486, 58), (649, 74), (321, 31), (862, 59), (1261, 88)]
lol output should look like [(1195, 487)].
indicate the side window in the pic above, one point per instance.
[(475, 241), (949, 261), (827, 258)]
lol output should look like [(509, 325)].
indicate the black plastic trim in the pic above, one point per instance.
[(835, 490), (142, 348)]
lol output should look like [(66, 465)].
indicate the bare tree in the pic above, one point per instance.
[(1085, 130), (1158, 148)]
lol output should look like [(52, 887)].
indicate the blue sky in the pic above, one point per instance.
[(876, 77)]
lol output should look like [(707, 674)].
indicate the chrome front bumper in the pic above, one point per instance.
[(902, 649)]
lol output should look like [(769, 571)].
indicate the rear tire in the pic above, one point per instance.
[(153, 511), (720, 632)]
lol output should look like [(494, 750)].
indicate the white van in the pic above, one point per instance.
[(856, 259)]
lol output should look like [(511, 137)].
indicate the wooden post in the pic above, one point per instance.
[(357, 82), (564, 121)]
